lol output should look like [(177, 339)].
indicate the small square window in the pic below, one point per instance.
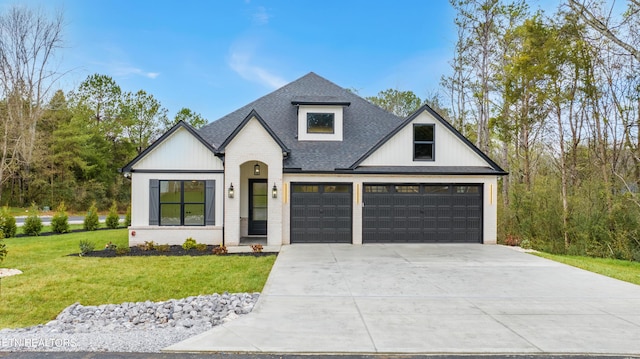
[(320, 122), (423, 142)]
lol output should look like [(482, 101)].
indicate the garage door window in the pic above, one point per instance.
[(337, 188), (407, 189), (376, 189), (467, 189), (436, 189), (423, 142), (305, 189)]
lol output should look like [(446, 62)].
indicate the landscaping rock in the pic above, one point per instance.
[(199, 311)]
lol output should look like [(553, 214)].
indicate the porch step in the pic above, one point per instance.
[(247, 241)]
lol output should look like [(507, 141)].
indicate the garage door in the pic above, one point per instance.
[(422, 213), (321, 213)]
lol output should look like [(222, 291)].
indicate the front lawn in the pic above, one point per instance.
[(52, 280), (614, 268)]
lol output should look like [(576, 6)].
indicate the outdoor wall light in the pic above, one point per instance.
[(256, 170), (231, 192), (274, 191)]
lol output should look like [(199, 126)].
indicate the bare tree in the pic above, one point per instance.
[(28, 40), (602, 24)]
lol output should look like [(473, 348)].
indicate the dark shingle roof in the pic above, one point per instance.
[(364, 124)]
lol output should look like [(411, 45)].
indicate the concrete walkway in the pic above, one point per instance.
[(430, 299)]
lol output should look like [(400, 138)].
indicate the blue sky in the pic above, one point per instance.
[(216, 56)]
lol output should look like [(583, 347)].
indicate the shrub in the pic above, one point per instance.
[(91, 220), (201, 247), (526, 244), (86, 246), (33, 223), (163, 247), (256, 248), (147, 246), (60, 220), (189, 243), (113, 219), (122, 250), (3, 250), (110, 247), (127, 217), (220, 250), (7, 223)]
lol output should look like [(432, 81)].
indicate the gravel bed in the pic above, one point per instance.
[(129, 327)]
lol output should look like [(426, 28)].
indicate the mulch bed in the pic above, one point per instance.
[(174, 250)]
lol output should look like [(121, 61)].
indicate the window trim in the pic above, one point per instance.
[(422, 142)]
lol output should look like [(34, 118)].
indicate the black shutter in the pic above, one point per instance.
[(154, 202), (209, 206)]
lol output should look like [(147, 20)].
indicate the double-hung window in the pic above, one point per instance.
[(423, 142)]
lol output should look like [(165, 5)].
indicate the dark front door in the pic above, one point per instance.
[(258, 192)]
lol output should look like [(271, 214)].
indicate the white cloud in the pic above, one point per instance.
[(261, 17), (125, 70), (240, 62)]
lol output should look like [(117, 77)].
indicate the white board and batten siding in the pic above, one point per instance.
[(180, 156), (449, 149)]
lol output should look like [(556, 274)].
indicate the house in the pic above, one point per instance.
[(313, 162)]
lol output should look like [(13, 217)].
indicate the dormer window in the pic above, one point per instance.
[(320, 118), (318, 122)]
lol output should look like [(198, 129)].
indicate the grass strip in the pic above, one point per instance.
[(624, 270), (52, 280)]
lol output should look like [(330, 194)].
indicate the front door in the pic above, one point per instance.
[(258, 193)]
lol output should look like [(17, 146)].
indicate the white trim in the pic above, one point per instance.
[(337, 111)]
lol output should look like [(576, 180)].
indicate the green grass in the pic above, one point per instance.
[(614, 268), (52, 280)]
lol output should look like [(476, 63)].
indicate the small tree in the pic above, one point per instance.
[(33, 223), (7, 223), (60, 220), (113, 219), (91, 220)]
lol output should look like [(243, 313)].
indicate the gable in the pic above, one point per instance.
[(181, 150), (252, 141), (449, 148)]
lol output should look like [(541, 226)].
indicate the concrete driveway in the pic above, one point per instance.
[(333, 298)]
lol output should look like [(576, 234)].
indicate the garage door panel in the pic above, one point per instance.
[(441, 213), (326, 214)]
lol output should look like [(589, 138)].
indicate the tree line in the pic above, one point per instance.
[(555, 100), (66, 147)]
